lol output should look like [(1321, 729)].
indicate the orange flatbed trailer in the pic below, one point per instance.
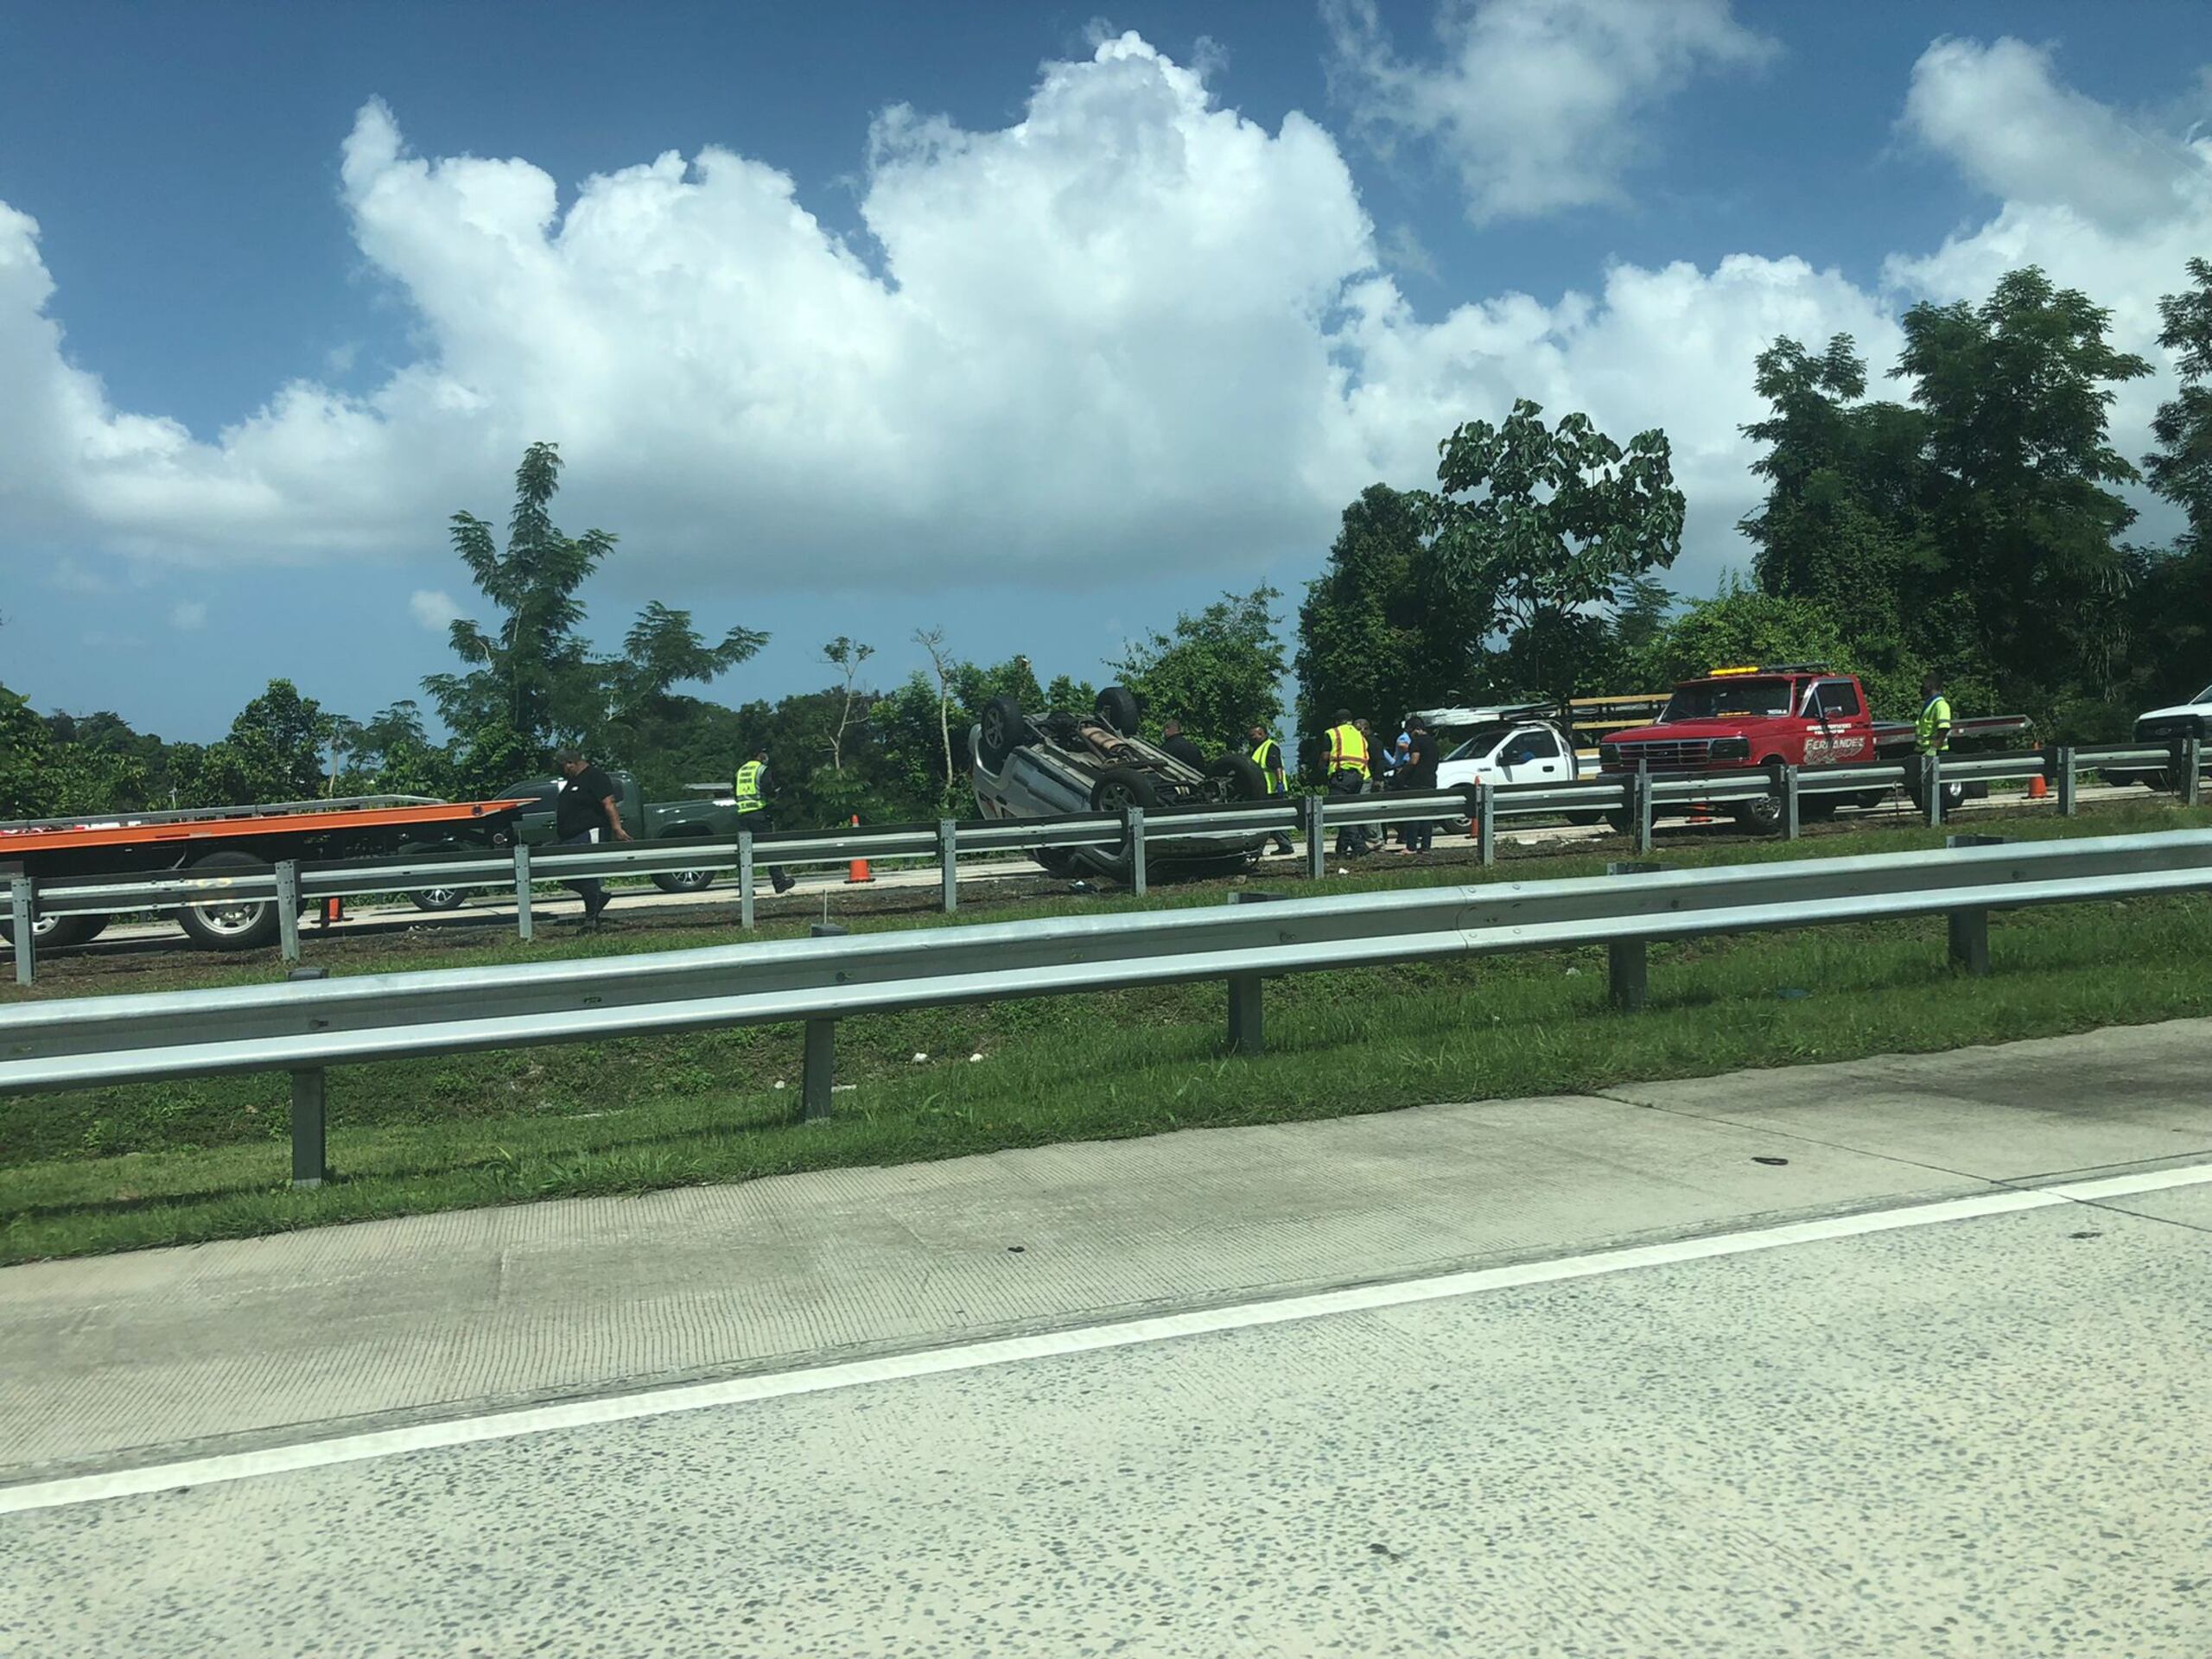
[(216, 841)]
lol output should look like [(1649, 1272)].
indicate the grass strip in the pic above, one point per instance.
[(123, 1168)]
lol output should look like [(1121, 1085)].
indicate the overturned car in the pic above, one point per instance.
[(1052, 765)]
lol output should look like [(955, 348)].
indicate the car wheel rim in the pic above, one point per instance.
[(230, 919), (440, 897)]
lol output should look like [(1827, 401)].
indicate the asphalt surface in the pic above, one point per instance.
[(1901, 1356)]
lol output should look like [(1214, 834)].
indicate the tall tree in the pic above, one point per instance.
[(1533, 528), (1366, 641), (845, 655), (1218, 672), (2176, 601), (274, 751), (2023, 522), (534, 681)]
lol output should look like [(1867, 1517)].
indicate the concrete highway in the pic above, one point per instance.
[(1898, 1357)]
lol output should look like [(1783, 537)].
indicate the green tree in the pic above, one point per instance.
[(1537, 531), (273, 752), (1741, 625), (2174, 601), (26, 759), (533, 682), (1366, 640), (2021, 524), (1217, 672)]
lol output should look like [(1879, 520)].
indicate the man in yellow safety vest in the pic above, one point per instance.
[(1931, 735), (1267, 755), (1346, 764), (752, 788)]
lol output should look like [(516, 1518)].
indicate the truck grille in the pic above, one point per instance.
[(1687, 754)]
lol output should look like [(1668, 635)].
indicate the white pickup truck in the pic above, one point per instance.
[(1519, 745)]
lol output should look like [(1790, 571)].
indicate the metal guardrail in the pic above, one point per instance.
[(304, 1028), (1633, 802)]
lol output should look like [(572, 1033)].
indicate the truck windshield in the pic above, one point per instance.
[(1479, 741), (2205, 696), (1716, 699)]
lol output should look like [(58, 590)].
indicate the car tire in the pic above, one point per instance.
[(1117, 709), (245, 926), (1119, 787), (1055, 861), (1762, 817), (1621, 823), (684, 880), (1002, 730), (1243, 772), (437, 900), (1584, 820), (1817, 809)]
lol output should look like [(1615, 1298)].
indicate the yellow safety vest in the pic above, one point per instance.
[(1347, 750), (1267, 755), (748, 786), (1936, 716)]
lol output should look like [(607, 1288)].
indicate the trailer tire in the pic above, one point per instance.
[(55, 933), (218, 926)]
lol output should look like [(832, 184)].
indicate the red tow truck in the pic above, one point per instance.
[(231, 841), (1752, 719)]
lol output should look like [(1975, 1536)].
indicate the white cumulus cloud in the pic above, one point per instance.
[(434, 608), (1538, 104), (1131, 335)]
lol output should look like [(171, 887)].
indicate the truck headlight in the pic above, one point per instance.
[(1731, 748)]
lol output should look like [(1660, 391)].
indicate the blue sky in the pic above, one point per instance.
[(1119, 334)]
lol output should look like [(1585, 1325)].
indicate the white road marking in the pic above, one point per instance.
[(1006, 1350)]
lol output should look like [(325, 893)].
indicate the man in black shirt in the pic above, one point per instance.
[(1172, 741), (587, 804), (1418, 773)]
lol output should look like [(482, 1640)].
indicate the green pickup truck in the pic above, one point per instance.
[(710, 817)]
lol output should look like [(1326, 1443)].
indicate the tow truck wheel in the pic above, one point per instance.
[(1584, 820), (437, 898), (1761, 816), (684, 880), (229, 924)]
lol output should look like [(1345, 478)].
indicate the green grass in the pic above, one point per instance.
[(120, 1168)]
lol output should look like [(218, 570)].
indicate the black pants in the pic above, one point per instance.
[(756, 820), (1351, 838), (590, 888)]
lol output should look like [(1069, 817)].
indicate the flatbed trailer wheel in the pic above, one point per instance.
[(227, 923)]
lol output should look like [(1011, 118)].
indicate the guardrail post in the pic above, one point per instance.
[(309, 1164), (1788, 790), (2192, 762), (1246, 1034), (818, 1077), (1485, 826), (1317, 844), (948, 860), (745, 878), (1132, 828), (21, 909), (1626, 968), (1642, 814), (525, 929), (2068, 781), (1969, 929), (288, 909)]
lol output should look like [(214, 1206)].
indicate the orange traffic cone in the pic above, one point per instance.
[(333, 910), (858, 870), (2037, 788)]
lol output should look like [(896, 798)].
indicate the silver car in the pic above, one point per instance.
[(1053, 764)]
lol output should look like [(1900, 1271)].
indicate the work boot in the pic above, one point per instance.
[(783, 883)]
